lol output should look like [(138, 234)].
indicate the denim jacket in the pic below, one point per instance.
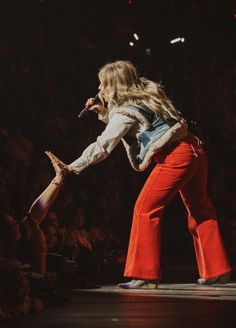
[(151, 133)]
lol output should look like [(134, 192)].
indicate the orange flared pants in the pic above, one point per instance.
[(180, 169)]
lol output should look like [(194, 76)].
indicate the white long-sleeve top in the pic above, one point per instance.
[(116, 128)]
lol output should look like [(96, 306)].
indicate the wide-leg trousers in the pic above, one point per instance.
[(182, 169)]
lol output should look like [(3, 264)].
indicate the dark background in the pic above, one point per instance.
[(50, 54)]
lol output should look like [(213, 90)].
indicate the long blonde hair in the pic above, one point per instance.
[(121, 85)]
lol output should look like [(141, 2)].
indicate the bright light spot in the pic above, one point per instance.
[(177, 40), (114, 319), (148, 51), (131, 44), (136, 36)]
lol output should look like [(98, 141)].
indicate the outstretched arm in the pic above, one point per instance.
[(42, 204), (97, 151)]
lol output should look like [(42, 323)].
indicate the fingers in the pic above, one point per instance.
[(56, 161), (89, 103), (53, 157), (95, 108)]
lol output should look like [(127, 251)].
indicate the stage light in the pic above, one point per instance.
[(131, 44), (177, 40), (136, 36)]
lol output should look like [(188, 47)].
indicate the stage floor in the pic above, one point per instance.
[(171, 305)]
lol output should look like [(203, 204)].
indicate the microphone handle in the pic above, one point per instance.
[(84, 111)]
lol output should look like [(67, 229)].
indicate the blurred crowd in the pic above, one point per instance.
[(85, 234)]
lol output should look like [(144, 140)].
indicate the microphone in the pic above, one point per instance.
[(84, 111)]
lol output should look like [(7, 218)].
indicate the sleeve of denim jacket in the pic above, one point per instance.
[(117, 127)]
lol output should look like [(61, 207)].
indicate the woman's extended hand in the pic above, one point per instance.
[(60, 167)]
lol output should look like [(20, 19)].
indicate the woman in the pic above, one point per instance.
[(138, 112)]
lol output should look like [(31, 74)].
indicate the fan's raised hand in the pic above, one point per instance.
[(60, 167)]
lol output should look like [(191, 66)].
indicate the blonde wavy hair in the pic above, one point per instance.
[(121, 85)]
